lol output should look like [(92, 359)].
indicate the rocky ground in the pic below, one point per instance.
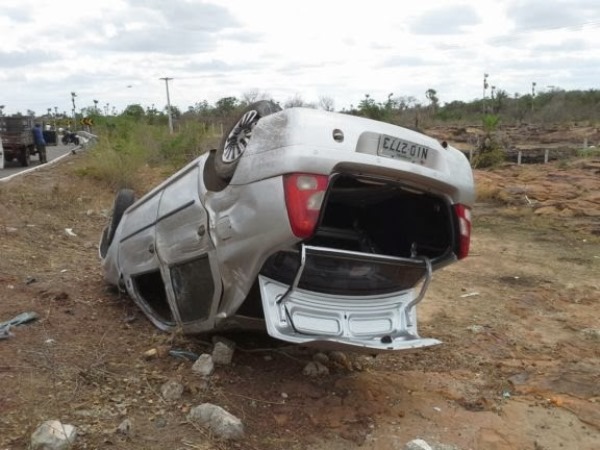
[(519, 367)]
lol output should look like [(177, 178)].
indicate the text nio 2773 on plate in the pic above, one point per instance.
[(393, 147), (322, 228)]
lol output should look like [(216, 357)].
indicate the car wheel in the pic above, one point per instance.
[(124, 199), (236, 139), (25, 157)]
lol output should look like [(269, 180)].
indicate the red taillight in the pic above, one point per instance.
[(303, 197), (463, 214)]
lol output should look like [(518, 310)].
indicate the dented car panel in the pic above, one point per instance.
[(327, 233)]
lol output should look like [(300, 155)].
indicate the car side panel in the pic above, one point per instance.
[(186, 252), (136, 238), (248, 224)]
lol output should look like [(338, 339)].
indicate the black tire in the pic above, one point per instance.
[(76, 140), (124, 199), (235, 139), (25, 157)]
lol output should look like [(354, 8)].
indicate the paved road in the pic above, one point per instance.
[(53, 152)]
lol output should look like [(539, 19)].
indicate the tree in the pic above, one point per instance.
[(499, 99), (326, 103), (226, 105), (368, 107), (431, 95), (135, 111), (254, 95), (296, 102)]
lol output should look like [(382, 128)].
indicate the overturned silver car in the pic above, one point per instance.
[(324, 228)]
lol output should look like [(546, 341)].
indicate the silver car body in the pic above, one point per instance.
[(210, 246)]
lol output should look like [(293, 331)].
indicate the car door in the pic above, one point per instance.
[(138, 263), (186, 252)]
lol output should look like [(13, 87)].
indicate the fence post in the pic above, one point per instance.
[(471, 155), (546, 153), (519, 157)]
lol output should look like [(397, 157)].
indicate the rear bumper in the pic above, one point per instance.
[(378, 322)]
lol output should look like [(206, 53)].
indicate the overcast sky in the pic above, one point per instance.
[(115, 51)]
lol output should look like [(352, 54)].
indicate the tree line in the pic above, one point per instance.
[(550, 107)]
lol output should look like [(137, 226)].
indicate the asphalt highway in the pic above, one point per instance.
[(54, 153)]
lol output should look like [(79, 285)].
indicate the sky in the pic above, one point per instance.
[(117, 51)]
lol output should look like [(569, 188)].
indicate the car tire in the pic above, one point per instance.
[(124, 199), (25, 157), (235, 139)]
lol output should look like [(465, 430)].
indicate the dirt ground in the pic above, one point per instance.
[(519, 367)]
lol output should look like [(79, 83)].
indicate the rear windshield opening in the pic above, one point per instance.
[(374, 217), (384, 218)]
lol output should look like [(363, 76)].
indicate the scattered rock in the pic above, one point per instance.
[(223, 351), (221, 422), (126, 428), (363, 362), (341, 359), (149, 354), (315, 369), (476, 329), (53, 435), (417, 444), (321, 358), (159, 351), (172, 390), (69, 232), (204, 365)]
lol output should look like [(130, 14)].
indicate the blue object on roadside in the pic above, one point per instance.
[(15, 321)]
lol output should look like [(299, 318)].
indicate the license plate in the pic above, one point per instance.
[(396, 148)]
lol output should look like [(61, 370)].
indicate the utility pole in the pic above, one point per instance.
[(73, 95), (168, 104), (485, 86)]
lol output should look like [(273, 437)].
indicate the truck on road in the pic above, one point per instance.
[(17, 138)]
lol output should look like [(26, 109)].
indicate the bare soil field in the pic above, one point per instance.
[(519, 367)]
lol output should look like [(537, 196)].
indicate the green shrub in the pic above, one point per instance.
[(588, 152), (126, 145)]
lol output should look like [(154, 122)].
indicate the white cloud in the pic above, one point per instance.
[(311, 48)]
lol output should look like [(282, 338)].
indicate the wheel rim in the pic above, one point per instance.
[(237, 141)]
